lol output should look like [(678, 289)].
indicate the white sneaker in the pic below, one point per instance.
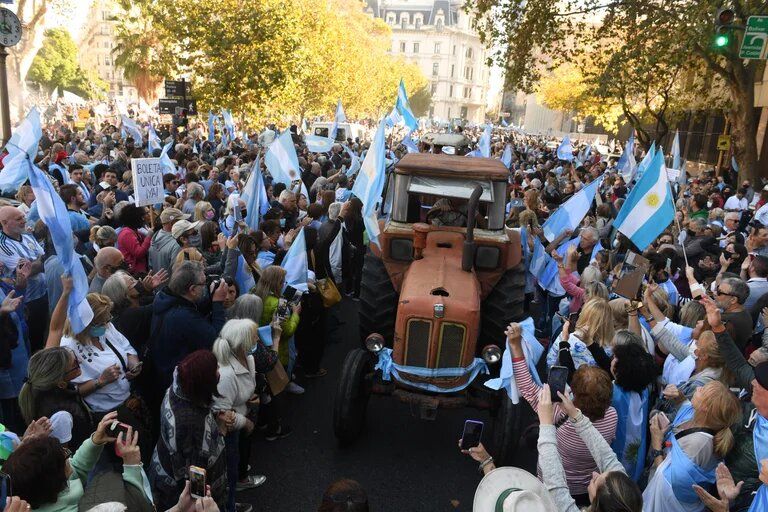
[(294, 388)]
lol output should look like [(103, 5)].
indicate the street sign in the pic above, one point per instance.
[(177, 88), (723, 142), (169, 105), (755, 42)]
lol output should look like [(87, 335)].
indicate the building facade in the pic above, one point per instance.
[(95, 49), (439, 37)]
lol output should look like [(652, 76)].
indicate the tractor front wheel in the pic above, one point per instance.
[(352, 394)]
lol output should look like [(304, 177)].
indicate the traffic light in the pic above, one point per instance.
[(724, 28), (722, 40)]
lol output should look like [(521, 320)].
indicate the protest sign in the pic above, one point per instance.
[(147, 181)]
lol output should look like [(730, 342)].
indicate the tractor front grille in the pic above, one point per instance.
[(417, 342), (451, 345)]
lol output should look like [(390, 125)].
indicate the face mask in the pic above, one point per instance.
[(209, 214), (97, 331), (709, 204), (692, 350)]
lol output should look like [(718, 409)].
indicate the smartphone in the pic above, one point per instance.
[(136, 367), (572, 319), (5, 489), (558, 376), (197, 482), (117, 428), (289, 293), (473, 432)]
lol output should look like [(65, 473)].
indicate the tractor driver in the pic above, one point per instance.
[(444, 213)]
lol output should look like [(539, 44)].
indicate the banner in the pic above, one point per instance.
[(147, 181)]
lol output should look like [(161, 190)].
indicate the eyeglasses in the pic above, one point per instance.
[(720, 292), (348, 498), (74, 368)]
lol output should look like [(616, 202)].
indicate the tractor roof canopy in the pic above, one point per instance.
[(447, 166)]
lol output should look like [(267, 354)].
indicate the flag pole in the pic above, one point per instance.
[(680, 230)]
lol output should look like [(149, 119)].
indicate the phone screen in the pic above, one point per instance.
[(572, 319), (197, 482), (117, 428), (473, 432), (289, 293), (5, 489), (558, 376)]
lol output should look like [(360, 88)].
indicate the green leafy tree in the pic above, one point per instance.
[(650, 56), (55, 66), (421, 101)]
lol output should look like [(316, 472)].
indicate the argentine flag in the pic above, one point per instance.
[(340, 117), (676, 151), (404, 108), (648, 209), (211, 126), (646, 161), (485, 142), (22, 145), (295, 263), (153, 141), (131, 128), (370, 182), (255, 197), (282, 162), (166, 164), (627, 164), (318, 144), (506, 157), (571, 213), (354, 165), (393, 118), (409, 144), (565, 149)]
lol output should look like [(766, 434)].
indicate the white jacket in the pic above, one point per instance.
[(236, 386)]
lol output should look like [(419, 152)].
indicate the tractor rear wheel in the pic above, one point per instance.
[(505, 304), (352, 393), (378, 300)]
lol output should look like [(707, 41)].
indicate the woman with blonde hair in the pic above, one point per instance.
[(595, 325), (25, 196), (204, 211), (236, 393), (699, 438)]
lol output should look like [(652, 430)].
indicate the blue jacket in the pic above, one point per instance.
[(178, 329)]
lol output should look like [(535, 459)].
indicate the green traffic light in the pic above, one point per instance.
[(721, 40)]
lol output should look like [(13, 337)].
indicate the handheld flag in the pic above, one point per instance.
[(571, 213), (130, 127), (370, 182), (211, 126), (166, 164), (282, 162), (646, 161), (485, 142), (21, 146), (626, 164), (506, 157), (354, 166), (648, 209), (393, 118), (734, 165), (409, 144), (340, 117), (565, 149), (153, 141), (318, 144), (295, 263), (229, 124), (676, 151), (404, 108), (255, 197)]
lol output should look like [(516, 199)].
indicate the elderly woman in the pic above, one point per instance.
[(101, 236), (129, 316), (592, 390), (204, 211), (236, 393), (26, 197)]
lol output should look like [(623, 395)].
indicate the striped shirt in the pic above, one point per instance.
[(11, 251), (577, 460)]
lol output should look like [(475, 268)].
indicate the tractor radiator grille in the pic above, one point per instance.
[(451, 346), (417, 344)]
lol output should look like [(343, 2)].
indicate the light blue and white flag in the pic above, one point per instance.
[(539, 258), (255, 196), (504, 122), (211, 126), (166, 164), (484, 145), (370, 183), (22, 145), (646, 161), (584, 154), (627, 164), (409, 144), (649, 207), (283, 164), (734, 165), (549, 278), (630, 443), (394, 118), (63, 170), (295, 263), (404, 108), (153, 141), (53, 212), (598, 247), (340, 117), (355, 161), (570, 214), (532, 350), (565, 149), (676, 151), (506, 157), (318, 144), (130, 127), (228, 135)]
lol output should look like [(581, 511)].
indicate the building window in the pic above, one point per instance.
[(469, 53), (468, 73), (404, 19), (434, 88), (390, 18), (467, 92), (454, 50), (418, 19), (449, 112), (415, 47), (439, 24), (437, 48), (453, 70), (402, 46), (435, 68), (450, 91)]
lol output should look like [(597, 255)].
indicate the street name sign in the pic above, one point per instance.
[(755, 42)]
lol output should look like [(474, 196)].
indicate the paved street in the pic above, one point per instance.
[(404, 463)]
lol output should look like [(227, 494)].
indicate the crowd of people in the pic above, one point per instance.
[(194, 343)]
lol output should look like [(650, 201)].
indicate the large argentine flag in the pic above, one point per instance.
[(565, 149), (340, 117), (282, 162), (404, 108), (21, 147), (648, 209), (318, 144), (571, 213), (295, 263), (370, 182)]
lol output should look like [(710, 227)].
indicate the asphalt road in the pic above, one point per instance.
[(404, 463)]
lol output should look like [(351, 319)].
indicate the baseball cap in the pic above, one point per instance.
[(172, 214), (182, 227)]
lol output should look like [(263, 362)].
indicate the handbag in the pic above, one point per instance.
[(277, 379), (328, 291)]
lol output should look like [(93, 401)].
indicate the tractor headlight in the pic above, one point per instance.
[(374, 342), (491, 354), (439, 310)]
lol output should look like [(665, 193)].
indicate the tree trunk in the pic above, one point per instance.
[(744, 123)]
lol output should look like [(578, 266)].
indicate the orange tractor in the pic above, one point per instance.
[(437, 297)]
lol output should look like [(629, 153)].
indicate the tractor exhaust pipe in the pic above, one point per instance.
[(468, 255)]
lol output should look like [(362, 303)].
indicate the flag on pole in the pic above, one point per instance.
[(404, 108), (211, 126), (295, 263), (584, 154), (318, 144), (370, 182), (549, 278), (565, 149), (506, 157), (393, 118), (649, 207), (166, 164), (409, 144), (571, 213), (282, 162), (626, 164), (354, 166), (646, 161), (340, 117), (734, 165), (21, 147), (130, 127), (676, 151), (255, 197), (229, 124), (484, 145), (153, 141)]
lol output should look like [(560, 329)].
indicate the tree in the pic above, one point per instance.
[(55, 66), (421, 101), (665, 37)]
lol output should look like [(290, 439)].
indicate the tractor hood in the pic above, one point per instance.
[(439, 311)]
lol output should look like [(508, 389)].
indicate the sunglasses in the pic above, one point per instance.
[(719, 292)]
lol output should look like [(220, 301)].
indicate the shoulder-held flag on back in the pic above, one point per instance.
[(295, 263), (571, 213), (370, 182), (648, 209), (565, 149)]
